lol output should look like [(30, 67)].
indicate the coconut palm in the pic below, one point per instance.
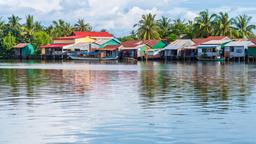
[(165, 26), (147, 27), (13, 21), (62, 28), (204, 24), (38, 26), (81, 25), (28, 27), (179, 28), (243, 26), (223, 25)]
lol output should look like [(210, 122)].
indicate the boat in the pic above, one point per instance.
[(210, 59), (93, 59)]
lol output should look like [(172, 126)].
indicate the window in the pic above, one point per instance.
[(239, 51), (232, 49)]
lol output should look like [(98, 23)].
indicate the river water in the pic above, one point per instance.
[(120, 103)]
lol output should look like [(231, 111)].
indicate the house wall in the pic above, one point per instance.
[(239, 51), (200, 52), (63, 41), (86, 39), (252, 51)]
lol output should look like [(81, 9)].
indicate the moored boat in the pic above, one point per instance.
[(93, 59)]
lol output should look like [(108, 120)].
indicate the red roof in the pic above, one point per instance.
[(93, 34), (55, 45), (253, 40), (151, 43), (21, 45), (69, 37), (199, 41), (132, 43)]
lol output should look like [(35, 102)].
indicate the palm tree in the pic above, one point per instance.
[(82, 26), (147, 27), (29, 27), (38, 26), (179, 28), (165, 27), (223, 25), (62, 28), (13, 21), (243, 26), (204, 24)]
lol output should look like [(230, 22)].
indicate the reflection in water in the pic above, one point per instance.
[(143, 103)]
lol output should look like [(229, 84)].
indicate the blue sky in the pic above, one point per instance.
[(118, 16)]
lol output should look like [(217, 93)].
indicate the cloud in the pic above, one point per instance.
[(117, 16)]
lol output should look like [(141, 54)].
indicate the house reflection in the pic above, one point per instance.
[(200, 83)]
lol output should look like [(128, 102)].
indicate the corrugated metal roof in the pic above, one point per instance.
[(240, 43), (81, 46), (179, 44), (216, 42)]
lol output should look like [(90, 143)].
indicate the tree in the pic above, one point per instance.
[(172, 37), (8, 42), (165, 27), (39, 39), (132, 36), (179, 28), (81, 25), (62, 28), (204, 24), (29, 27), (223, 25), (147, 27), (13, 21), (243, 26)]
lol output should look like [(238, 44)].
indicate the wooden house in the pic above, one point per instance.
[(155, 48), (178, 49), (23, 50), (212, 47), (237, 49), (134, 49)]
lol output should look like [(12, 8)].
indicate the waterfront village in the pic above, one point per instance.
[(104, 46)]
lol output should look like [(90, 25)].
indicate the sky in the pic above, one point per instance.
[(119, 16)]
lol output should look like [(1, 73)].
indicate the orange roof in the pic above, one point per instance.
[(93, 34), (132, 43), (199, 41)]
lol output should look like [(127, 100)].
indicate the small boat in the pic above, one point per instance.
[(209, 59), (93, 59)]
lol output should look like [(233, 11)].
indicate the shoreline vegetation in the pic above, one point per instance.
[(12, 32)]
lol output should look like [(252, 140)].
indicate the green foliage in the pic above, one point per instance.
[(39, 39), (147, 27), (172, 37), (81, 25), (8, 42), (243, 27), (165, 27)]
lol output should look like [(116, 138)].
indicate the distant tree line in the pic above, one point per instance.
[(204, 25), (13, 32)]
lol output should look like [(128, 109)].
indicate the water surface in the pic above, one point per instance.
[(118, 103)]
